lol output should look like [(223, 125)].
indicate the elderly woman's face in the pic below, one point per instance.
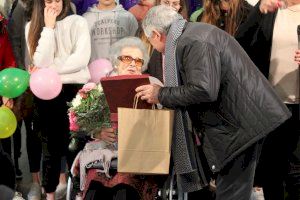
[(131, 61)]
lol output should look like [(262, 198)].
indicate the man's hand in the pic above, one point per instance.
[(267, 6), (297, 57), (148, 93), (107, 135), (50, 17)]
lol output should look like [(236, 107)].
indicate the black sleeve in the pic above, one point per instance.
[(202, 70), (246, 31)]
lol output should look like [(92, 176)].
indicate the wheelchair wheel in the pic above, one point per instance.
[(170, 191), (69, 189)]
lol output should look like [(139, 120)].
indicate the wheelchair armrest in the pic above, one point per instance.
[(99, 165)]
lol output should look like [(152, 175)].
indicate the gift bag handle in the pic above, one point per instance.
[(136, 100)]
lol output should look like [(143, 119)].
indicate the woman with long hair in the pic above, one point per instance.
[(62, 43), (179, 5), (225, 14)]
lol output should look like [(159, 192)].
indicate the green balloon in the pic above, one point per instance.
[(13, 82), (8, 122)]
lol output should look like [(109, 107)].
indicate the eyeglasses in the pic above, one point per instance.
[(128, 59)]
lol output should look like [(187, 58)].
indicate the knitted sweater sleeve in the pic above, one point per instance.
[(81, 52), (44, 53)]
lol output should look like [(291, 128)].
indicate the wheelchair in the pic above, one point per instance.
[(168, 191)]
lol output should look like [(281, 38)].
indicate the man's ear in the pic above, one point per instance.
[(156, 34), (160, 36)]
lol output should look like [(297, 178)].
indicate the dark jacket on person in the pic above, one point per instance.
[(256, 35), (16, 30), (229, 101)]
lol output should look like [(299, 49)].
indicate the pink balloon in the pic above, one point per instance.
[(45, 83), (99, 68)]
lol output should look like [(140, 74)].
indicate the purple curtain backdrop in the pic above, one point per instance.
[(193, 5), (82, 5), (128, 3)]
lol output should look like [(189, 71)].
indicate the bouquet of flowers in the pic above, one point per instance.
[(89, 110)]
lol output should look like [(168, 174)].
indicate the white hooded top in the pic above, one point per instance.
[(66, 49)]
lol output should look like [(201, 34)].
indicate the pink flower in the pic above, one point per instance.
[(82, 94), (72, 120), (88, 87), (85, 89)]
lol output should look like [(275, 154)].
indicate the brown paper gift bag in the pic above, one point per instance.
[(144, 140)]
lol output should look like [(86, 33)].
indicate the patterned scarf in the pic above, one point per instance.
[(189, 175)]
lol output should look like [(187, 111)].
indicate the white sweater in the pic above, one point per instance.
[(284, 71), (66, 49)]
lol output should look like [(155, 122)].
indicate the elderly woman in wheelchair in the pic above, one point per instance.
[(96, 165)]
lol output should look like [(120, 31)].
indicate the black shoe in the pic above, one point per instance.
[(19, 174)]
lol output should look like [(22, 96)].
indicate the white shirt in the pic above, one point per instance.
[(66, 49), (252, 2), (284, 71)]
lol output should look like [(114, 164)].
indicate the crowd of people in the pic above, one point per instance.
[(229, 70)]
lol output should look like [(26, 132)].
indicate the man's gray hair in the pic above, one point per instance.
[(116, 48), (159, 18)]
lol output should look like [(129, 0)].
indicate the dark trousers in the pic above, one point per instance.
[(235, 180), (33, 141), (6, 144), (54, 127), (7, 170), (119, 192), (279, 166)]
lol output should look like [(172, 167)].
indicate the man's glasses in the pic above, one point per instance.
[(128, 59)]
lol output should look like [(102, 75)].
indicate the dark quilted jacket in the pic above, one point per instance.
[(229, 101)]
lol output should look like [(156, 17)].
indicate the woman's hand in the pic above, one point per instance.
[(297, 57), (32, 69), (8, 102), (267, 6), (108, 135), (50, 17)]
